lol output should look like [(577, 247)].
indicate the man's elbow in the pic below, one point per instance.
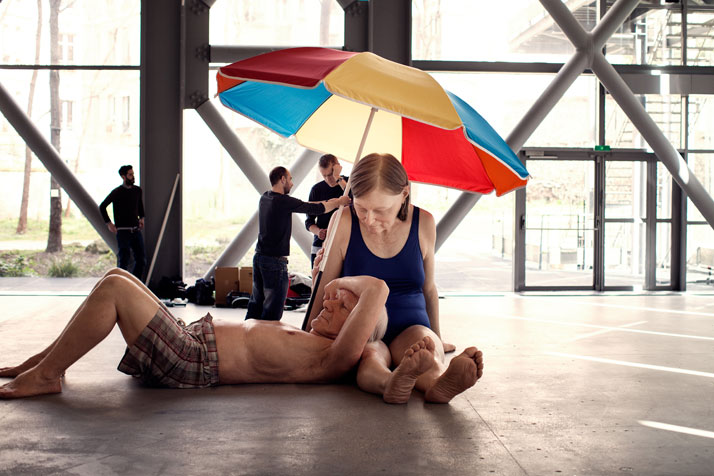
[(338, 365), (380, 287)]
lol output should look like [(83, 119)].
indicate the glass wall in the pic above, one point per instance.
[(477, 257), (664, 109), (99, 133), (277, 23), (625, 229), (462, 30), (663, 232), (97, 106), (503, 99), (700, 236), (99, 110), (701, 118), (700, 38), (560, 223), (91, 32), (652, 36)]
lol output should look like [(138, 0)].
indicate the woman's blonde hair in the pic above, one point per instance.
[(380, 172)]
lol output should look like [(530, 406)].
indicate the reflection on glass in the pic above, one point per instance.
[(664, 192), (652, 35), (503, 99), (701, 117), (559, 223), (664, 109), (90, 32), (700, 258), (624, 189), (663, 254), (477, 256), (99, 119), (624, 254), (700, 31), (465, 30), (703, 167), (277, 22)]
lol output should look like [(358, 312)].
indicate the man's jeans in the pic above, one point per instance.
[(270, 288), (130, 241)]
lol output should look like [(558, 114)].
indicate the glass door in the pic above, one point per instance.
[(559, 225), (594, 221)]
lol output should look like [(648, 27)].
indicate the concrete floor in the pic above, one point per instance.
[(573, 384)]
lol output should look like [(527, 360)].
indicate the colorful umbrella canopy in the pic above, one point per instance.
[(324, 97)]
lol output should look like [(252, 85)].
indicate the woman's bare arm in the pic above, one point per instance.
[(427, 241), (333, 266)]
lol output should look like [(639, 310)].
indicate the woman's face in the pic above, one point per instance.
[(378, 209)]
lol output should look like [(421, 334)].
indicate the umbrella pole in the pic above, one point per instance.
[(332, 230)]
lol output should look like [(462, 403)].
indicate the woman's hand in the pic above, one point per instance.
[(316, 264)]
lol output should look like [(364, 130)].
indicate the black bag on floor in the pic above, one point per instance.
[(201, 293), (170, 288)]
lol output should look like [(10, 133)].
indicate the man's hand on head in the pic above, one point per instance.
[(348, 298), (336, 170)]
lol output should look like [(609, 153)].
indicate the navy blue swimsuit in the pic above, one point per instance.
[(403, 273)]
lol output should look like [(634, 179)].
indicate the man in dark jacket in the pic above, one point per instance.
[(332, 186), (270, 263), (128, 221)]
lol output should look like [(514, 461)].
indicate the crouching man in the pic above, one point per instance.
[(164, 352)]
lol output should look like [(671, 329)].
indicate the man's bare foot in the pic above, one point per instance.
[(29, 384), (417, 359), (463, 372)]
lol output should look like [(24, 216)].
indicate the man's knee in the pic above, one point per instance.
[(116, 271), (115, 283), (376, 350)]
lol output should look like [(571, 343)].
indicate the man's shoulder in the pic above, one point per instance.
[(320, 185)]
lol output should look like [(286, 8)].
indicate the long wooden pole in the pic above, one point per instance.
[(331, 231), (163, 227)]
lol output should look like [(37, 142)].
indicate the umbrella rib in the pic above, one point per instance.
[(387, 110), (277, 83)]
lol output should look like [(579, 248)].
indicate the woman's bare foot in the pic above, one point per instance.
[(13, 372), (463, 372), (417, 359), (29, 384)]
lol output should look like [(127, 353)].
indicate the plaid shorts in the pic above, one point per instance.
[(168, 354)]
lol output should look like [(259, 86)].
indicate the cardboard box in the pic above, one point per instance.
[(227, 280), (246, 279)]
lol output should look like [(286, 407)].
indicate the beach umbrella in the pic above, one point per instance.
[(326, 98), (349, 104)]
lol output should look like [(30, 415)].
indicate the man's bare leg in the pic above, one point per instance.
[(463, 372), (116, 300), (13, 372), (373, 372), (417, 359)]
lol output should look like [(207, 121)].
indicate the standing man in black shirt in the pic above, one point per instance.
[(270, 263), (332, 186), (128, 221)]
